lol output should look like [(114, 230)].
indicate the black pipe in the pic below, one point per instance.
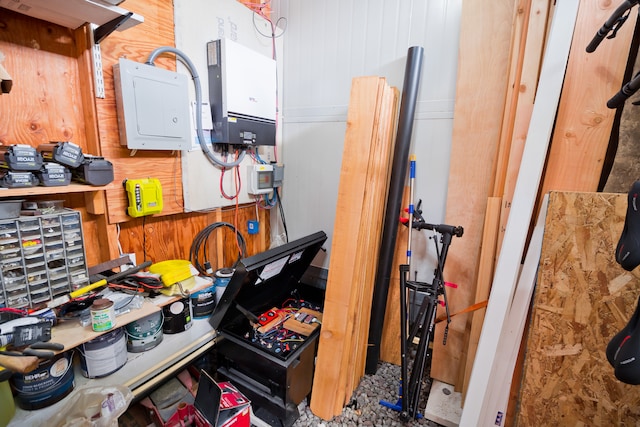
[(394, 204)]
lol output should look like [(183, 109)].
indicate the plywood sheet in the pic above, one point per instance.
[(583, 298), (480, 97)]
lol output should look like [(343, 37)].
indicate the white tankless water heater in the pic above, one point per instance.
[(242, 94)]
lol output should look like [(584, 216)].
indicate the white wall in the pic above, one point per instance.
[(196, 23), (327, 43)]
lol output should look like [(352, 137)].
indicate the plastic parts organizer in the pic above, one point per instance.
[(41, 258)]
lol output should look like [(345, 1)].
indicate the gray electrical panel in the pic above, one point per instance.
[(153, 107)]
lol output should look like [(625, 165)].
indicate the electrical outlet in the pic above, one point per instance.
[(132, 262)]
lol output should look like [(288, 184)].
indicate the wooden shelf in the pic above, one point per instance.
[(72, 334), (39, 190), (71, 13)]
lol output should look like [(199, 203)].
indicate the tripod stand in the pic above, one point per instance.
[(425, 320)]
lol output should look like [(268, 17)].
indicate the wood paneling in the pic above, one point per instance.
[(52, 99), (44, 104)]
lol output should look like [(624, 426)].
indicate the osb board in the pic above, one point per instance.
[(583, 298)]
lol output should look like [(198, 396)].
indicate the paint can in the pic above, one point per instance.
[(223, 277), (177, 316), (49, 383), (103, 315), (103, 355), (203, 302), (144, 334)]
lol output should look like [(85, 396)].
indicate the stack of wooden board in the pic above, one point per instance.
[(362, 194)]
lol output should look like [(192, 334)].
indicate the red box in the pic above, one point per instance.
[(215, 405)]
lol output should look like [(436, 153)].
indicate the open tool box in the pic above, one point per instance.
[(270, 364)]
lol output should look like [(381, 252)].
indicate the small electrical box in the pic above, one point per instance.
[(278, 175), (144, 195), (260, 179)]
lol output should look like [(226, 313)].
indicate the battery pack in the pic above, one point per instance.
[(20, 157), (53, 175), (10, 179), (66, 153), (94, 170)]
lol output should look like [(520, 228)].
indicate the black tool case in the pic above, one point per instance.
[(276, 381)]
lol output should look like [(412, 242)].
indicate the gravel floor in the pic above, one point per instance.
[(365, 408)]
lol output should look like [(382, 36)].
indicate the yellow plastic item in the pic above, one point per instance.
[(144, 195), (172, 271), (7, 405)]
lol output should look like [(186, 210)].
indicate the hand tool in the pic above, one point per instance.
[(78, 292), (18, 363)]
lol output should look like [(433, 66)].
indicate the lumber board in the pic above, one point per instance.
[(526, 191), (527, 71), (584, 121), (481, 89), (485, 274), (335, 335), (344, 292), (518, 51), (582, 299), (365, 240), (539, 17), (378, 188), (511, 337)]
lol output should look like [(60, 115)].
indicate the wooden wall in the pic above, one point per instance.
[(583, 298), (52, 99)]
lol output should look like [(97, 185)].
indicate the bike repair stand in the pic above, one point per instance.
[(424, 323)]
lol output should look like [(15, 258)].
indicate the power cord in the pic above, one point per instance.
[(198, 250)]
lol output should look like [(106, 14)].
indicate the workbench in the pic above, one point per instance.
[(143, 371)]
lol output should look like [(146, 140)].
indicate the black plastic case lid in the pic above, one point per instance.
[(266, 279)]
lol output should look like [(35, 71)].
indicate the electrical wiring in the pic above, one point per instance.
[(138, 283), (177, 200), (237, 181), (198, 89), (198, 251), (282, 218)]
